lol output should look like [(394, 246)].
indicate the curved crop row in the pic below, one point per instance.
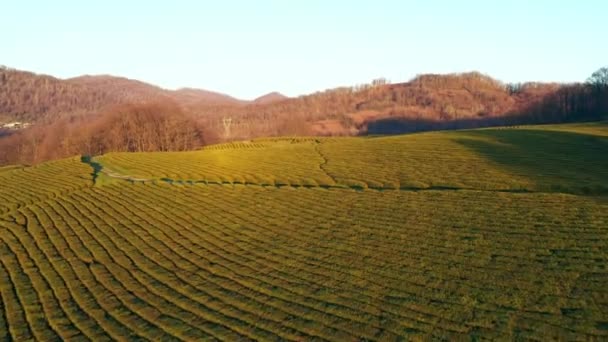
[(23, 186), (495, 248), (518, 160), (152, 261)]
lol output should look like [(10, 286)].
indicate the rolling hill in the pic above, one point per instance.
[(191, 97), (473, 234), (27, 96), (270, 98), (32, 97)]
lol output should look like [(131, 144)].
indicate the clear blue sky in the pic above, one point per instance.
[(248, 48)]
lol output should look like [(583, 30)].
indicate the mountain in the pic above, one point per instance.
[(194, 97), (468, 96), (270, 98), (121, 88), (27, 96), (30, 97)]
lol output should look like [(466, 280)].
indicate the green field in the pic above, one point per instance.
[(462, 235)]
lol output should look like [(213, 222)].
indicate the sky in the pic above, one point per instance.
[(249, 48)]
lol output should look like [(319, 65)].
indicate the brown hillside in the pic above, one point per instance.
[(349, 110), (120, 88), (427, 102), (270, 98), (26, 96), (190, 97), (31, 97)]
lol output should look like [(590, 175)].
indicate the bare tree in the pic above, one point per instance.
[(599, 78), (599, 84)]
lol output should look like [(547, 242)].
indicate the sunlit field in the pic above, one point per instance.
[(494, 234)]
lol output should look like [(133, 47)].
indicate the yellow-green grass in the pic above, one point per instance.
[(25, 185), (246, 262), (431, 257), (261, 165), (10, 167), (562, 158), (593, 128)]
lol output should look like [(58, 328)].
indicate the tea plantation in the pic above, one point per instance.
[(480, 234)]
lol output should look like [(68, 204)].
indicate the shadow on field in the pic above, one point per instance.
[(399, 125), (96, 166), (553, 160)]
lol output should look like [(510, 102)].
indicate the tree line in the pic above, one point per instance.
[(143, 127)]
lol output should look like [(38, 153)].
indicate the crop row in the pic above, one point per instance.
[(280, 163), (22, 186), (508, 160), (159, 261), (234, 145)]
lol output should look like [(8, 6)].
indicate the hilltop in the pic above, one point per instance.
[(33, 97), (270, 98)]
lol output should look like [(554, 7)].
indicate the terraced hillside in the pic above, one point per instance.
[(493, 234)]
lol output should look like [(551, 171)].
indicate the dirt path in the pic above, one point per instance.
[(100, 169), (324, 163), (116, 175)]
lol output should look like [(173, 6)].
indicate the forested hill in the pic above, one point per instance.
[(31, 97), (84, 110)]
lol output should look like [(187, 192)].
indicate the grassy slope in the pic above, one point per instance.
[(161, 260), (561, 158), (25, 185)]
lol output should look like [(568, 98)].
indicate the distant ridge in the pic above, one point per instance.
[(426, 102), (31, 97), (270, 98), (193, 96)]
